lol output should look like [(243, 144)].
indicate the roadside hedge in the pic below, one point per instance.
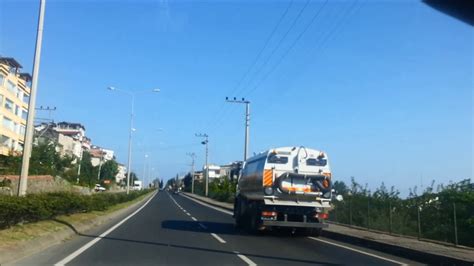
[(37, 207)]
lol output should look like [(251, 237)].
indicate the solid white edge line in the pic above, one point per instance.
[(359, 251), (210, 206), (245, 258), (218, 238), (104, 234)]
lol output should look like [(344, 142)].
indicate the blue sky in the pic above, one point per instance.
[(384, 87)]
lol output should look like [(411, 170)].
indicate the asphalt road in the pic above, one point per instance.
[(174, 229)]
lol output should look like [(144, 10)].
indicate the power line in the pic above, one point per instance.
[(287, 51), (272, 53), (259, 54), (282, 39), (267, 41), (339, 24)]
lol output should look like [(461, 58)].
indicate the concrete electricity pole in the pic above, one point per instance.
[(101, 158), (193, 157), (25, 164), (144, 169), (206, 142), (247, 122)]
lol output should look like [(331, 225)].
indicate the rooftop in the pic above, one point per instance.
[(71, 125), (26, 76), (10, 61)]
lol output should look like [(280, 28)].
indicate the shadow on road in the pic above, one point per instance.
[(209, 227), (221, 228)]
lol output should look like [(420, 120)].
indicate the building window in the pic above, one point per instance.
[(9, 105), (5, 141), (13, 70), (26, 98), (19, 95), (7, 123), (22, 130), (2, 79), (11, 87), (24, 114), (16, 128)]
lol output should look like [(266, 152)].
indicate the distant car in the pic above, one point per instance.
[(99, 188)]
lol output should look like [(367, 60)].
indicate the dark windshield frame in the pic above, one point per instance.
[(316, 162), (276, 159)]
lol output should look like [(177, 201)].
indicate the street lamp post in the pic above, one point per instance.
[(247, 122), (206, 142), (132, 96)]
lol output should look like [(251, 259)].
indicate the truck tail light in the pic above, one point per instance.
[(326, 183), (323, 216), (269, 214)]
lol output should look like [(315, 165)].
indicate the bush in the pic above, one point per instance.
[(222, 189), (36, 207)]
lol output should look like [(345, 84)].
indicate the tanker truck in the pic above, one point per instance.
[(287, 187)]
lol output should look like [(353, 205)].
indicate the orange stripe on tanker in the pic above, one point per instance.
[(267, 177)]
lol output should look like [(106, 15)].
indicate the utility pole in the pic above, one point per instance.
[(79, 166), (247, 122), (25, 163), (144, 169), (193, 157), (100, 164), (206, 142)]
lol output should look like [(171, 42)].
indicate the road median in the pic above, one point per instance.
[(20, 241), (423, 251)]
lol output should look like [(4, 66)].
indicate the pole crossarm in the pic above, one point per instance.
[(247, 121)]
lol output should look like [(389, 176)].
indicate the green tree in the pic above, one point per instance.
[(88, 175), (109, 170), (45, 160), (187, 181)]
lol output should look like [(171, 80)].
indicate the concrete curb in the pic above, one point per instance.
[(417, 255), (22, 250)]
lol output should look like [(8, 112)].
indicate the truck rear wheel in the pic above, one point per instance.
[(238, 213), (253, 219)]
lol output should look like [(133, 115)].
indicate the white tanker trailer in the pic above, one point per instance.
[(284, 187)]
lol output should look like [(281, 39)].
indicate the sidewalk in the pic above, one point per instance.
[(432, 253)]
